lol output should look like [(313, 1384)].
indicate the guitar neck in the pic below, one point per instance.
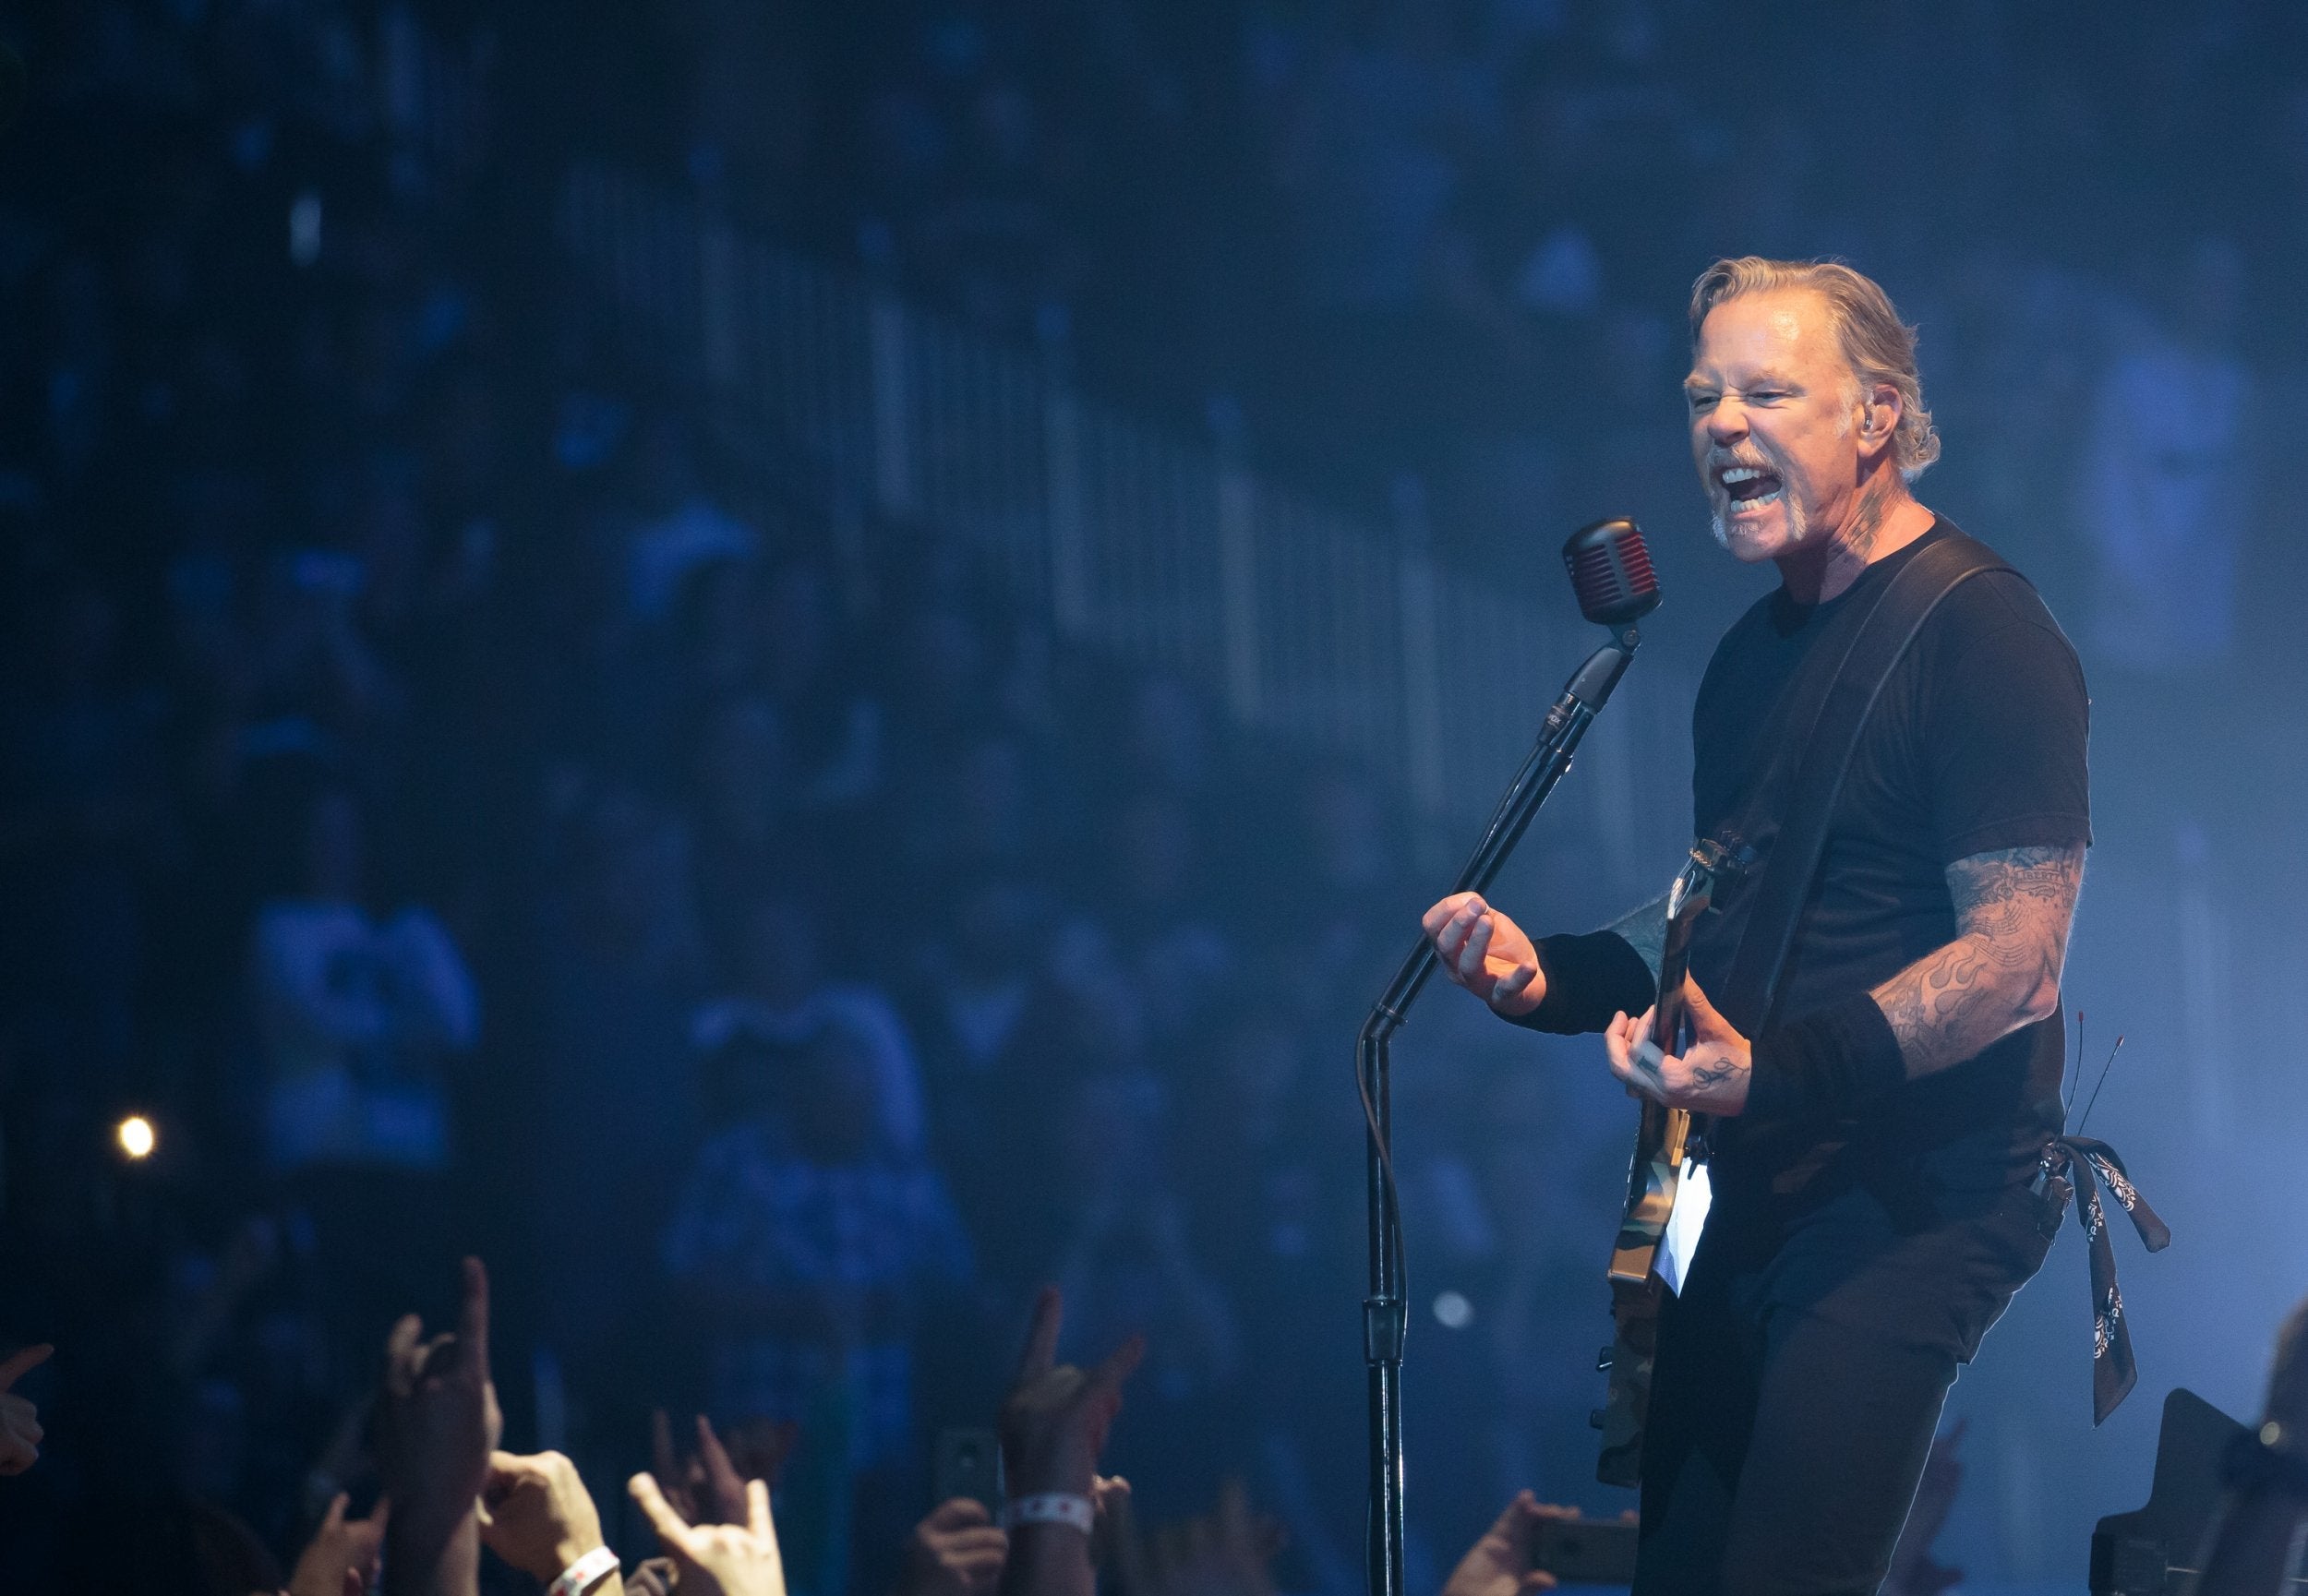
[(1667, 1020)]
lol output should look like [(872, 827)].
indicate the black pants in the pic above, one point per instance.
[(1800, 1380)]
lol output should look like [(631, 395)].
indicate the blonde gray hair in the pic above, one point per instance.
[(1879, 348)]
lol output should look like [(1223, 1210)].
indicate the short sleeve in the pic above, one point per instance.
[(2007, 723)]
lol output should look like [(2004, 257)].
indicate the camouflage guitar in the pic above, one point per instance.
[(1661, 1141)]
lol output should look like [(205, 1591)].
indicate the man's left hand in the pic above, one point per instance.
[(1709, 1076)]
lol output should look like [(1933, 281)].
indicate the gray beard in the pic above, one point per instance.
[(1799, 527)]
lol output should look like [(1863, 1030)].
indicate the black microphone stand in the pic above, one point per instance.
[(1386, 1315)]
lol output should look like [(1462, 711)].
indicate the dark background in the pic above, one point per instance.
[(439, 472)]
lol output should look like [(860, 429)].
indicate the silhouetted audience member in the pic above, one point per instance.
[(358, 1011)]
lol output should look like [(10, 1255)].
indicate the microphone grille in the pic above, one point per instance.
[(1610, 572)]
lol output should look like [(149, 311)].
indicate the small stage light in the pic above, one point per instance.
[(136, 1136), (1453, 1312)]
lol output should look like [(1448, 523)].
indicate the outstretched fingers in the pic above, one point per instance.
[(719, 1468), (22, 1362), (1120, 1364), (757, 1518), (1042, 1336), (472, 1319), (1514, 1519), (668, 1524)]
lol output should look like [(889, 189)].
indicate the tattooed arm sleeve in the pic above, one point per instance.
[(2013, 910)]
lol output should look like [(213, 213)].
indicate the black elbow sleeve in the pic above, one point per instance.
[(1840, 1060), (1589, 979)]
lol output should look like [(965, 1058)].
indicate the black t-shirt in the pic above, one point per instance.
[(1977, 744)]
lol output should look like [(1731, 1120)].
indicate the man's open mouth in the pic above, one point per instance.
[(1749, 487)]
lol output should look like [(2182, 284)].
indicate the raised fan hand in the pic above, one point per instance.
[(1056, 1418), (714, 1559), (708, 1485), (436, 1424), (537, 1515), (342, 1553)]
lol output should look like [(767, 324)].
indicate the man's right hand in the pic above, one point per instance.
[(1484, 952)]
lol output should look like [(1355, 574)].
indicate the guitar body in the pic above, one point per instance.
[(1663, 1138)]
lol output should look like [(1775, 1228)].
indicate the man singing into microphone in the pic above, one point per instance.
[(1872, 1205)]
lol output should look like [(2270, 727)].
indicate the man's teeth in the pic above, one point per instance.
[(1734, 476)]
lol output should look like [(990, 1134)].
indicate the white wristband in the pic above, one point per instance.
[(1056, 1507), (585, 1574)]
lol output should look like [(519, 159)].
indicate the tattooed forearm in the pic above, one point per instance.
[(1646, 931), (2013, 910)]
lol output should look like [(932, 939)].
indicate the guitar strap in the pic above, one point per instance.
[(1835, 706), (1820, 720)]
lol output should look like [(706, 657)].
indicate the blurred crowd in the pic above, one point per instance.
[(462, 800), (459, 801), (1455, 240)]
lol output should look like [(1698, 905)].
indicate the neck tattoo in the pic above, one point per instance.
[(1867, 519)]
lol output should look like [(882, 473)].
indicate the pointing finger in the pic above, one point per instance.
[(1041, 1335), (715, 1455), (472, 1319), (674, 1533), (1120, 1364), (757, 1507), (22, 1362)]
